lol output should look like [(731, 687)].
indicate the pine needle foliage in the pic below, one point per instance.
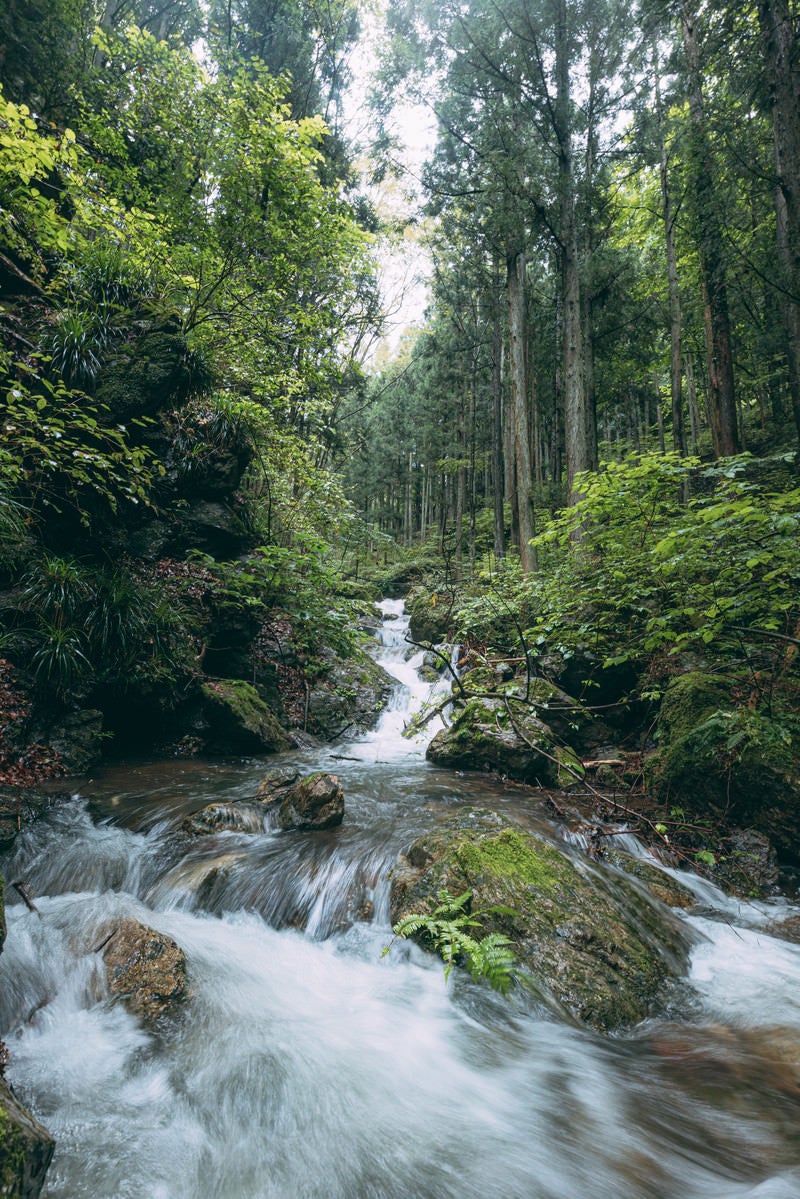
[(449, 931)]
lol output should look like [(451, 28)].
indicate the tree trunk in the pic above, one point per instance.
[(576, 426), (519, 394), (712, 255), (668, 217), (782, 54), (498, 478)]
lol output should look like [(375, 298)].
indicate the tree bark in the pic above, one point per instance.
[(498, 478), (519, 392), (576, 425), (782, 54), (722, 403)]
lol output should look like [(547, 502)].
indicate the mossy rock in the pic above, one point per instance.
[(238, 721), (488, 734), (662, 886), (349, 695), (26, 1149), (146, 376), (726, 761), (431, 616), (590, 937)]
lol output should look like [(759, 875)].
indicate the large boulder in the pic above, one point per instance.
[(726, 761), (431, 616), (26, 1149), (313, 802), (145, 375), (284, 800), (507, 737), (592, 938), (349, 696), (236, 719), (145, 969)]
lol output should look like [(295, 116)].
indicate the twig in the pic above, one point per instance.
[(19, 887)]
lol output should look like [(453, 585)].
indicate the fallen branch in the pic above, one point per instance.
[(19, 887)]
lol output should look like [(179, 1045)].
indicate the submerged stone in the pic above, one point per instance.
[(601, 947)]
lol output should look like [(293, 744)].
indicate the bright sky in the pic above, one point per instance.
[(404, 265)]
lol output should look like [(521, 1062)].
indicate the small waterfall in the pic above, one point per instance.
[(307, 1066)]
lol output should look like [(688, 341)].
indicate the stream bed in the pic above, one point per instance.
[(306, 1065)]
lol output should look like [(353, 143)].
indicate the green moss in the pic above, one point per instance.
[(511, 857), (687, 701), (12, 1155)]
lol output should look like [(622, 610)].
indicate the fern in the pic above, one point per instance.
[(447, 930)]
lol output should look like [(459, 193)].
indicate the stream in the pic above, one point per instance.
[(307, 1066)]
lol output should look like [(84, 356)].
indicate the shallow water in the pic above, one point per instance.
[(308, 1066)]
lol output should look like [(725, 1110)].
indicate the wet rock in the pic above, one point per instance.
[(601, 947), (144, 968), (26, 1148), (350, 695), (77, 736), (231, 817), (493, 735), (314, 802), (283, 800), (749, 863), (430, 616), (662, 886), (725, 761), (238, 721)]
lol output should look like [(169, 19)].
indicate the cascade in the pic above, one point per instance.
[(307, 1066)]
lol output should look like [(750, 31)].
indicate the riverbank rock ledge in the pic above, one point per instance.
[(145, 969), (26, 1147), (602, 947)]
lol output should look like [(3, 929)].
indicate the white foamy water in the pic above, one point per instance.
[(305, 1065)]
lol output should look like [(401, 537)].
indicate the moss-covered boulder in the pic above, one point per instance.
[(145, 969), (508, 738), (349, 695), (26, 1149), (592, 938), (145, 375), (236, 720), (727, 760), (430, 616)]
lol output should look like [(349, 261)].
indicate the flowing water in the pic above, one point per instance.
[(307, 1066)]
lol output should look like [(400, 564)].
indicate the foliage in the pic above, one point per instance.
[(78, 626), (448, 929), (632, 571), (62, 451)]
